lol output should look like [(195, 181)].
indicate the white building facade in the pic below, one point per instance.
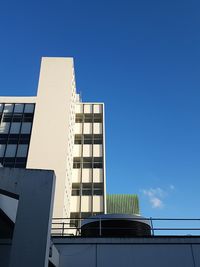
[(55, 131)]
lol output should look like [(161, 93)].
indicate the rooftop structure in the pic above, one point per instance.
[(122, 204)]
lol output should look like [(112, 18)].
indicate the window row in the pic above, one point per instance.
[(87, 189), (16, 117), (13, 150), (88, 139), (93, 117), (88, 162), (15, 127), (13, 162), (14, 138), (17, 108)]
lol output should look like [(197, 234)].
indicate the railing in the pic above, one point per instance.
[(158, 226)]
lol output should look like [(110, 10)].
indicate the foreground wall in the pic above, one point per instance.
[(137, 252)]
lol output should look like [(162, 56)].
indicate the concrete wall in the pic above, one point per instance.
[(137, 252), (49, 146)]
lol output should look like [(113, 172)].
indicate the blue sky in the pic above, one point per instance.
[(142, 58)]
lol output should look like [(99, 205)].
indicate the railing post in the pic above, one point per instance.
[(100, 227), (152, 229)]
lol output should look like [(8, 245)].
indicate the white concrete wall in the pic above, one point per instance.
[(50, 141)]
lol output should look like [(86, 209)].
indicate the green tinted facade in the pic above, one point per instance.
[(122, 203)]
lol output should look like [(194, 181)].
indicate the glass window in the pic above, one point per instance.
[(75, 189), (2, 150), (8, 108), (13, 138), (77, 163), (98, 162), (97, 117), (10, 150), (15, 127), (28, 117), (9, 162), (4, 127), (29, 108), (98, 139), (87, 139), (7, 117), (87, 162), (86, 189), (17, 117), (88, 118), (18, 108), (1, 107), (26, 127), (98, 189), (24, 139), (79, 117), (22, 151), (78, 139), (3, 138)]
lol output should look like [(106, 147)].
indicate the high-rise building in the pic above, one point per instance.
[(55, 130)]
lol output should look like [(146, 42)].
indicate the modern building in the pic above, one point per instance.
[(55, 130)]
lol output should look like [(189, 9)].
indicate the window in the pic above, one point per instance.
[(10, 151), (3, 138), (98, 162), (13, 139), (8, 108), (17, 117), (15, 127), (75, 189), (78, 139), (98, 189), (22, 151), (26, 127), (9, 162), (29, 108), (87, 162), (7, 117), (28, 117), (20, 163), (77, 163), (98, 139), (97, 117), (2, 150), (86, 189), (88, 118), (87, 139), (18, 108), (24, 139), (79, 118)]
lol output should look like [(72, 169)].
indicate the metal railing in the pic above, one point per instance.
[(158, 226)]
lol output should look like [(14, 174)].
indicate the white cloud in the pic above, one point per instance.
[(155, 196), (156, 202)]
